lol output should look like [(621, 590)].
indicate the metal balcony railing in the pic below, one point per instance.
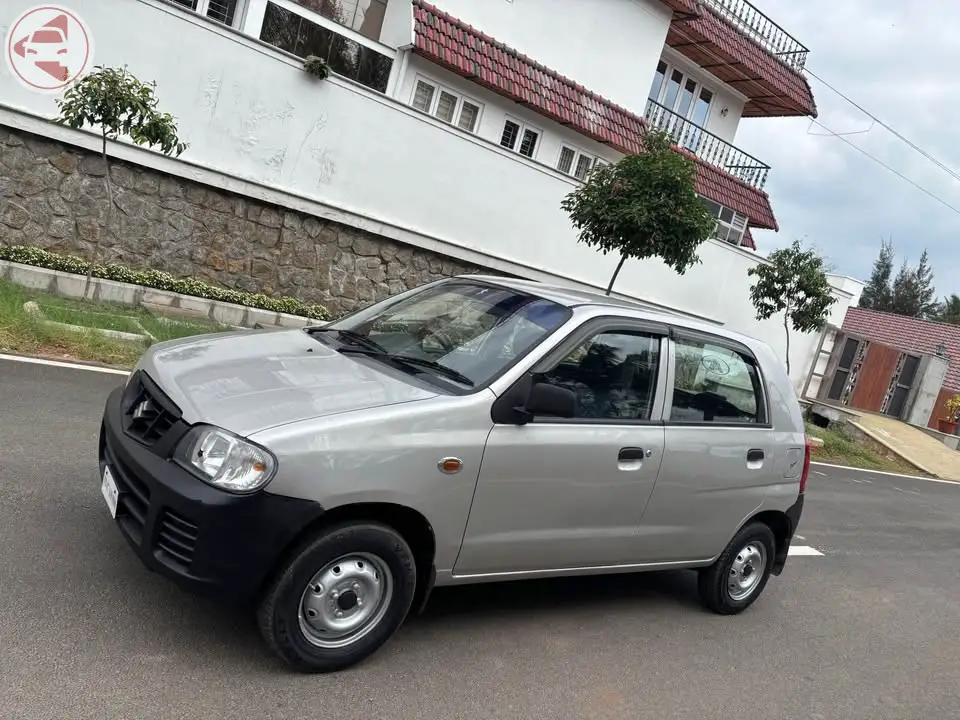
[(707, 146), (745, 17)]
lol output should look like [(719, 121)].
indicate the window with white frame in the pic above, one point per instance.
[(577, 163), (227, 12), (520, 138), (445, 104), (731, 225)]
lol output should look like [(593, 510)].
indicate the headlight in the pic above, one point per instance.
[(226, 461)]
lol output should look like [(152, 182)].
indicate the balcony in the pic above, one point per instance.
[(707, 146), (757, 26)]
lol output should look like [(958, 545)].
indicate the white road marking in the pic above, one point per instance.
[(800, 537), (881, 472), (803, 550), (906, 491), (817, 472), (61, 364)]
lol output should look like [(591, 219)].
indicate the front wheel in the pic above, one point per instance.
[(738, 576), (339, 598)]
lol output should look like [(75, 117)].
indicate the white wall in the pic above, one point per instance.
[(495, 111), (397, 30), (251, 112), (609, 46)]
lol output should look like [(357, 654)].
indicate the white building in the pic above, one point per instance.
[(458, 127)]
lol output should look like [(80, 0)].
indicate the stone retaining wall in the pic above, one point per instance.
[(52, 196)]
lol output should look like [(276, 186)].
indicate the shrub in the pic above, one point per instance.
[(159, 280)]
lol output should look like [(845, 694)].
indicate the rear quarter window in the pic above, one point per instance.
[(714, 383)]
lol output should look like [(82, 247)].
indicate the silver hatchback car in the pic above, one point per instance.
[(474, 429)]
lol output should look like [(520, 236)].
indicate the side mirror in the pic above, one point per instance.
[(547, 399)]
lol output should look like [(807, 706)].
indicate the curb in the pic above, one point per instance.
[(69, 285)]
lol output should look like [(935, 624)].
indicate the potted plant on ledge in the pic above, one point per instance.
[(948, 424)]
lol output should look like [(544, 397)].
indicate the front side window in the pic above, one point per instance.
[(613, 375), (475, 329), (714, 384)]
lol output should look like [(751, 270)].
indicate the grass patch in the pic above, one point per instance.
[(840, 447), (90, 318), (24, 333), (163, 328)]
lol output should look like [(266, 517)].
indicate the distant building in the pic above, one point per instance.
[(911, 336)]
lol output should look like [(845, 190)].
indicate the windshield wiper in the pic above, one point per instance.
[(416, 362), (355, 337), (436, 367)]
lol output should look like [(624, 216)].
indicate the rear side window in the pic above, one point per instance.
[(715, 384)]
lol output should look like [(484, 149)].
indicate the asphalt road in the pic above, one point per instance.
[(869, 630)]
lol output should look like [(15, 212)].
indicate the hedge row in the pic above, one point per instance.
[(158, 280)]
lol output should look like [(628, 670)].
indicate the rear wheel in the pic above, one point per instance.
[(737, 578), (339, 598)]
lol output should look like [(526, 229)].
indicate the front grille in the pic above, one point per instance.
[(177, 538), (148, 414)]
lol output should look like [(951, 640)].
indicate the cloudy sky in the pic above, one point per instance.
[(901, 62)]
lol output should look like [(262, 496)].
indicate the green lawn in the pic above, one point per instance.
[(841, 448), (24, 333)]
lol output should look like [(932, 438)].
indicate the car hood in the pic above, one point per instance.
[(249, 381)]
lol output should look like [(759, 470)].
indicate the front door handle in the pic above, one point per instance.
[(754, 456), (633, 453)]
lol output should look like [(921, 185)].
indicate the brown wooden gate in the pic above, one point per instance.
[(873, 380), (869, 376)]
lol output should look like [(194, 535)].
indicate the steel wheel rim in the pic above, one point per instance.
[(746, 571), (345, 600)]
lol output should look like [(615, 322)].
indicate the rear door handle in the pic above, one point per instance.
[(754, 456), (633, 453)]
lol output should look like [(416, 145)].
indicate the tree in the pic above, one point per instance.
[(644, 206), (117, 104), (926, 293), (878, 295), (950, 310), (904, 299), (794, 283)]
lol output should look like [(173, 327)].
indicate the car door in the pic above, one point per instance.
[(569, 493), (718, 449)]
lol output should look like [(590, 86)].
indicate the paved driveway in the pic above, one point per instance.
[(867, 630)]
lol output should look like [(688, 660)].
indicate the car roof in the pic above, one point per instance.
[(574, 297)]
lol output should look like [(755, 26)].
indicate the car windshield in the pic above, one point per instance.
[(471, 328)]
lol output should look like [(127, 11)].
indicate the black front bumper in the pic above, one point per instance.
[(216, 543)]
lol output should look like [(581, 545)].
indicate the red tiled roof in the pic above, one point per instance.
[(683, 7), (773, 87), (447, 41), (721, 187), (747, 241), (910, 335)]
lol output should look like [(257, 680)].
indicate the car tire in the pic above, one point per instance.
[(739, 575), (340, 597)]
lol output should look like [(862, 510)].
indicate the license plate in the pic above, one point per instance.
[(110, 492)]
